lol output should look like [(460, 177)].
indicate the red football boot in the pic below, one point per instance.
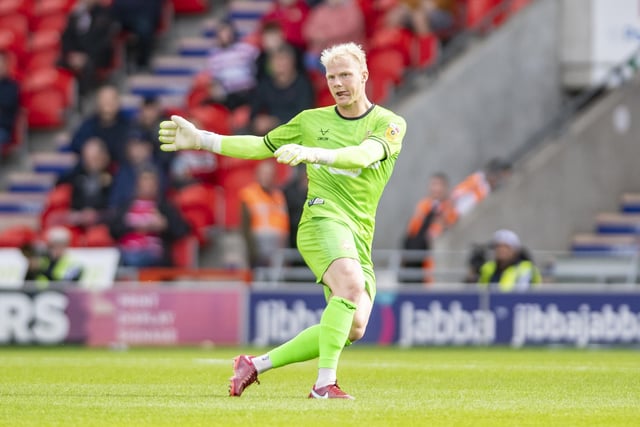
[(244, 374), (331, 391)]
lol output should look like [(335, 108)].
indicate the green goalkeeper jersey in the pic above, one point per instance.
[(347, 195)]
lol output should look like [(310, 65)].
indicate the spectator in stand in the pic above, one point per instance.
[(141, 18), (433, 215), (232, 64), (54, 264), (282, 94), (87, 42), (330, 23), (265, 222), (271, 39), (147, 122), (146, 226), (438, 16), (9, 101), (108, 123), (291, 15), (295, 193), (91, 183), (477, 186), (511, 268), (139, 151)]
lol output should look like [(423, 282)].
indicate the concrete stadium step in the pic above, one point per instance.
[(604, 243), (618, 223), (589, 268), (131, 103), (52, 162), (22, 219), (246, 14), (22, 202), (631, 203), (30, 182), (195, 46), (176, 65), (147, 85)]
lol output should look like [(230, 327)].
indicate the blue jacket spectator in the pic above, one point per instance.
[(108, 123), (141, 18), (9, 101), (139, 157)]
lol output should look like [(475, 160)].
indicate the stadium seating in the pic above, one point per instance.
[(190, 6), (11, 202), (30, 182), (18, 137), (55, 162)]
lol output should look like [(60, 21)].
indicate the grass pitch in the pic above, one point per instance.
[(71, 386)]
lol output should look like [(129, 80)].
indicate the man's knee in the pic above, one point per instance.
[(356, 333), (348, 280)]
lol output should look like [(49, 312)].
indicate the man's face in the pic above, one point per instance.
[(504, 253), (266, 174), (108, 103), (438, 188), (346, 80)]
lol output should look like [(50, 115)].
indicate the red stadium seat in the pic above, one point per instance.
[(197, 204), (199, 90), (97, 236), (427, 50), (516, 5), (388, 63), (53, 22), (212, 117), (235, 175), (240, 117), (477, 12), (56, 207), (184, 252), (45, 109), (17, 236), (15, 42), (19, 7), (51, 78), (190, 6)]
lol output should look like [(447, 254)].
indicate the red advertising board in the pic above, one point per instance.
[(157, 316)]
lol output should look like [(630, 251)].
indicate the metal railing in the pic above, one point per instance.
[(396, 266)]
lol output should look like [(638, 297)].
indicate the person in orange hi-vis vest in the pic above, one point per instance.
[(265, 219), (477, 186), (433, 214)]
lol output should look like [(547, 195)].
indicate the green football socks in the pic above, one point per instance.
[(335, 325), (302, 347), (325, 339)]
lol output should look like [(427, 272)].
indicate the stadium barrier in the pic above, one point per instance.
[(233, 314)]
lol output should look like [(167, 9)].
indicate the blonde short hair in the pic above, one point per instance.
[(346, 49)]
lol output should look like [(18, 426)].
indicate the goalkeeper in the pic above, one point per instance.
[(350, 150)]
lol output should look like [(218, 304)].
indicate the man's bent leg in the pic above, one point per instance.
[(345, 279), (302, 347)]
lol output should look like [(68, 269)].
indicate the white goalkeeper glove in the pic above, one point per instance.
[(180, 134), (294, 154)]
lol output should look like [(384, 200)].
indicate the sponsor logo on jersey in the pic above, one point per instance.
[(323, 133)]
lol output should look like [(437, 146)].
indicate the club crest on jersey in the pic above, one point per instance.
[(392, 132)]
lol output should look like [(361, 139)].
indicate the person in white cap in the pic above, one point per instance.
[(511, 269), (57, 267)]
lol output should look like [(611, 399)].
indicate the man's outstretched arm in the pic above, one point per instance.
[(354, 157), (180, 134)]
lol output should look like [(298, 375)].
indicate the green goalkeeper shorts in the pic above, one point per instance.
[(323, 240)]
